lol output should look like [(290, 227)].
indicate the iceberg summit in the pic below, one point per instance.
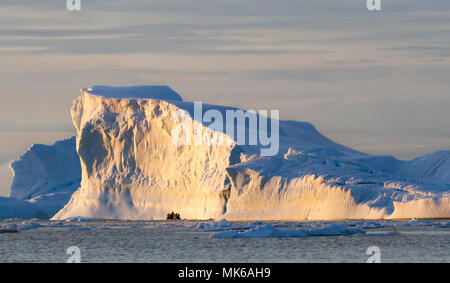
[(127, 162)]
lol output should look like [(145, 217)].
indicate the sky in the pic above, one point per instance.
[(375, 81)]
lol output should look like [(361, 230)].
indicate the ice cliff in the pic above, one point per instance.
[(132, 169)]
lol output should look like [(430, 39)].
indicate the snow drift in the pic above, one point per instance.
[(132, 169)]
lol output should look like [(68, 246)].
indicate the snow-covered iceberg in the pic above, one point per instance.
[(131, 169), (47, 175), (307, 184)]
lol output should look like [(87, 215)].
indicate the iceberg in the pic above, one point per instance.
[(47, 175), (124, 164), (322, 187)]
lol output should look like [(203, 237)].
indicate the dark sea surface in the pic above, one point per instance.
[(185, 241)]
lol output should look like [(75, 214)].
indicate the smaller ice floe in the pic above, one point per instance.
[(203, 225), (24, 226), (78, 219), (355, 223), (289, 224), (29, 225), (370, 225), (80, 228), (222, 225), (8, 228), (263, 231), (60, 224), (333, 230), (442, 225), (269, 231), (382, 234), (171, 224), (246, 226), (418, 223), (9, 225), (317, 224)]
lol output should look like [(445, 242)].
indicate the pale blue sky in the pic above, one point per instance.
[(375, 81)]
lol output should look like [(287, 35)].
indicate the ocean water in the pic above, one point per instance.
[(185, 241)]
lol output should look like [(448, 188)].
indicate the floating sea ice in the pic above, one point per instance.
[(418, 223), (202, 225), (382, 234), (8, 229), (263, 231), (60, 224), (80, 228), (28, 225), (244, 226), (290, 224), (333, 230), (269, 231), (371, 225), (355, 223), (222, 225), (443, 225), (9, 225), (78, 219)]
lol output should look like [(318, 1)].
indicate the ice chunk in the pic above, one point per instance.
[(418, 223), (262, 231), (333, 230), (80, 228), (371, 225), (443, 225), (216, 226), (78, 219), (382, 234), (8, 229), (28, 225), (60, 224)]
